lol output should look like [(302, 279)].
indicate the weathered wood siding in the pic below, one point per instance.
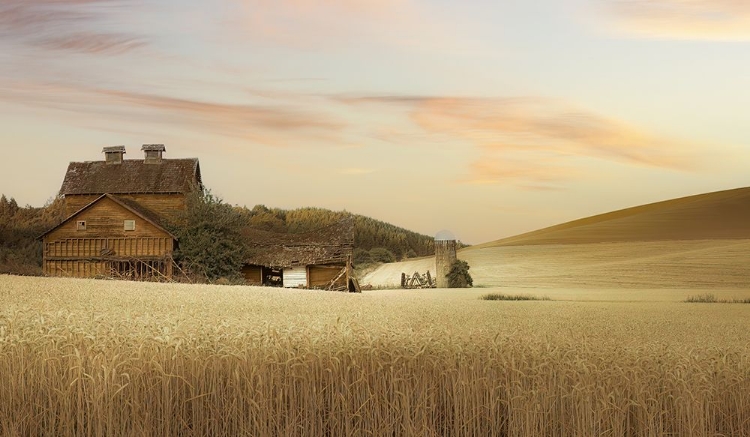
[(147, 247), (98, 267), (74, 203), (105, 219), (320, 276), (105, 247), (253, 274), (166, 205)]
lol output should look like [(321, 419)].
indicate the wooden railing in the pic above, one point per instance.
[(108, 247)]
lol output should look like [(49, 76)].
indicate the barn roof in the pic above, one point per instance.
[(132, 176), (327, 245), (128, 204)]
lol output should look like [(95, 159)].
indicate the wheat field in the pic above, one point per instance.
[(713, 264), (109, 358)]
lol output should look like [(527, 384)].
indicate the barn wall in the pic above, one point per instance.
[(91, 268), (74, 202), (146, 247), (321, 276), (106, 219), (294, 277), (253, 274), (168, 205), (106, 248)]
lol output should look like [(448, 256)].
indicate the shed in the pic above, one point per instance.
[(318, 259)]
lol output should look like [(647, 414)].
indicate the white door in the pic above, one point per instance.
[(295, 277)]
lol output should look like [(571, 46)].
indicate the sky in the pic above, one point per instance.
[(486, 118)]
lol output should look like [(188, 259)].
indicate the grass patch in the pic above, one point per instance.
[(500, 296), (711, 298)]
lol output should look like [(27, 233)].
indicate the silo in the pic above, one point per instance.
[(445, 255)]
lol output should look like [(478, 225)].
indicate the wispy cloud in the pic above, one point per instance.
[(227, 115), (538, 173), (684, 19), (535, 141), (67, 25), (277, 126), (327, 24), (93, 43)]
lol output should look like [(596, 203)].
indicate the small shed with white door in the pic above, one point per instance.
[(294, 277), (320, 259)]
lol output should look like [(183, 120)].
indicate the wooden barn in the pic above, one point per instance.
[(116, 213), (320, 259)]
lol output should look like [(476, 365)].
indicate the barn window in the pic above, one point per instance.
[(130, 225), (81, 225)]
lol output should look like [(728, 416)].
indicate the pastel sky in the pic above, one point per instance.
[(488, 118)]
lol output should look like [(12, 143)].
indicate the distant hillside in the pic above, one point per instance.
[(368, 232), (720, 215), (692, 242)]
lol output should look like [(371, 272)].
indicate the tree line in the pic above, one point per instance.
[(369, 233), (20, 228)]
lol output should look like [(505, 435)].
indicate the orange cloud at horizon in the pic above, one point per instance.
[(534, 141)]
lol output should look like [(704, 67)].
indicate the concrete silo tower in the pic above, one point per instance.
[(445, 256)]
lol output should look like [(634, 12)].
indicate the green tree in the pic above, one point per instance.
[(210, 242), (458, 276)]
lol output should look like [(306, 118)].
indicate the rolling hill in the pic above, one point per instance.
[(695, 242), (720, 215)]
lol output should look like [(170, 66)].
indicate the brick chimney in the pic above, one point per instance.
[(113, 155), (153, 153)]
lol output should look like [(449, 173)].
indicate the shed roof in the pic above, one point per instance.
[(327, 245), (132, 176)]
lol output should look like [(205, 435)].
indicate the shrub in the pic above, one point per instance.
[(361, 257), (458, 276), (702, 298), (382, 255), (710, 298)]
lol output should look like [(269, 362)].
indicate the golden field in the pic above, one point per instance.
[(689, 264), (109, 358), (700, 241)]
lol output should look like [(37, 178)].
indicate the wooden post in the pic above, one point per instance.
[(348, 271)]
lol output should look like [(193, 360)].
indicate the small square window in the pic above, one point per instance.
[(130, 225), (81, 225)]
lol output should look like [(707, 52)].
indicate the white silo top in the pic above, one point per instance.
[(445, 235)]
